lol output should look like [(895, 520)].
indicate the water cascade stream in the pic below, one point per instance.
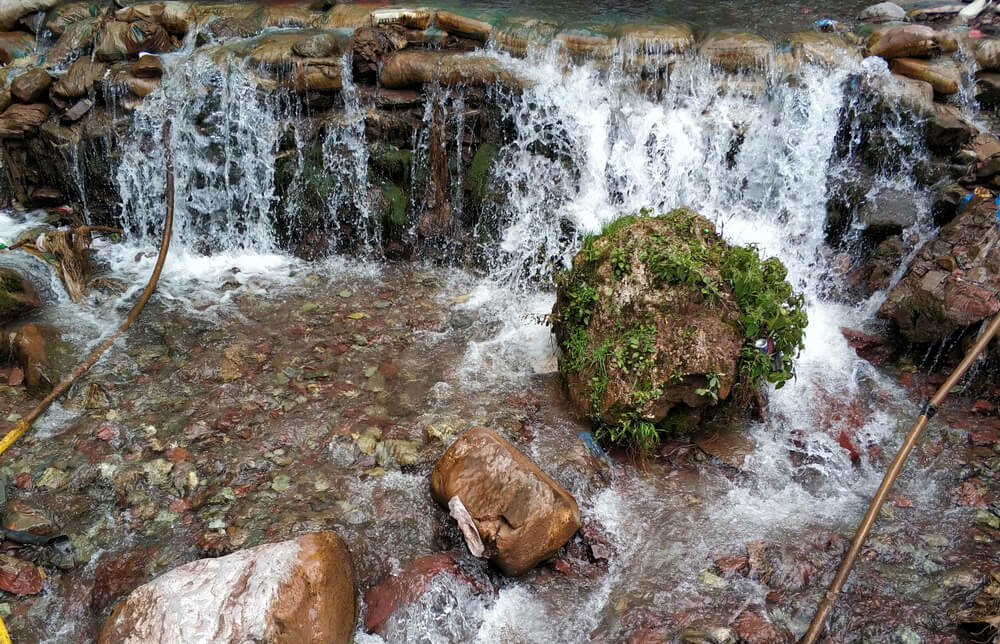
[(757, 153)]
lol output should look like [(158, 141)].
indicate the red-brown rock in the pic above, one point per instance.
[(19, 121), (295, 591), (522, 515), (396, 591), (20, 577), (876, 350), (754, 629), (31, 86)]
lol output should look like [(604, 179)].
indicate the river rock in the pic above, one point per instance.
[(946, 130), (25, 518), (353, 16), (372, 46), (938, 294), (825, 49), (20, 577), (14, 45), (522, 516), (943, 76), (647, 319), (286, 17), (294, 591), (31, 86), (883, 12), (409, 18), (988, 89), (887, 212), (988, 54), (738, 51), (911, 41), (13, 10), (394, 593), (17, 297), (584, 44)]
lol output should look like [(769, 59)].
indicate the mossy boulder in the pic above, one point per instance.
[(17, 297), (659, 318)]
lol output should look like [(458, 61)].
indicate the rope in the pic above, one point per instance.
[(928, 411), (25, 423)]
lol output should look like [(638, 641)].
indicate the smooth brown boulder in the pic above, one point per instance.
[(737, 51), (13, 10), (522, 515), (943, 76), (19, 121), (988, 54), (297, 591), (909, 41), (31, 86)]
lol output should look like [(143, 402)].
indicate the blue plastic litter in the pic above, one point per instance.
[(963, 202), (996, 202), (592, 445), (825, 24)]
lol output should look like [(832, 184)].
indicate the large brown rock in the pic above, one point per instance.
[(298, 591), (121, 40), (30, 350), (31, 86), (951, 283), (19, 121), (463, 26), (522, 516), (76, 41), (825, 49)]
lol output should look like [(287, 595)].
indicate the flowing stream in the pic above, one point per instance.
[(755, 154)]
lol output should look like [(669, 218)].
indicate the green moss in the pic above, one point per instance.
[(394, 162), (478, 177), (395, 210), (693, 255)]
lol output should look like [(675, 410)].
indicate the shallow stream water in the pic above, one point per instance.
[(319, 395)]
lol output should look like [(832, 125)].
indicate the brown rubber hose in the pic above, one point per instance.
[(25, 423), (819, 620)]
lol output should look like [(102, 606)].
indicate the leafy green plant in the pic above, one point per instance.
[(712, 387)]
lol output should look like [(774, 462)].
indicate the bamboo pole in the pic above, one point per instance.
[(823, 611)]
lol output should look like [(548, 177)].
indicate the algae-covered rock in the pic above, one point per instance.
[(659, 316), (17, 297)]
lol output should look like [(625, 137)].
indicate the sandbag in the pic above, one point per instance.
[(516, 35), (141, 86), (31, 86), (738, 51), (461, 26), (316, 75), (147, 67), (275, 49), (409, 18), (20, 121), (905, 41), (120, 40), (943, 76), (353, 16), (372, 45), (828, 50), (299, 17), (656, 40), (587, 44), (412, 68), (77, 40), (174, 17), (13, 10), (78, 80), (62, 17), (14, 45), (988, 54)]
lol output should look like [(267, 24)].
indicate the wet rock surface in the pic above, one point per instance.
[(293, 591), (518, 510)]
